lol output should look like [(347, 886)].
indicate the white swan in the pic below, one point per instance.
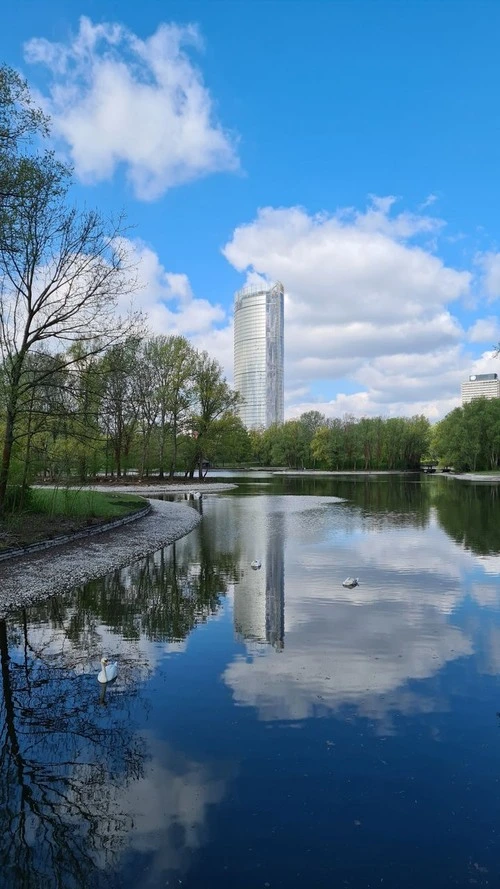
[(196, 495), (256, 564), (108, 672), (351, 582)]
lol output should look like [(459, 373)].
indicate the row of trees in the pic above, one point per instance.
[(154, 404), (313, 441)]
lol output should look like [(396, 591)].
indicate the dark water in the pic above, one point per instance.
[(268, 728)]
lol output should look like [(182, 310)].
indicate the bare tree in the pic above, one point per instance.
[(62, 274)]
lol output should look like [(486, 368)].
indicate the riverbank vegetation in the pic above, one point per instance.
[(468, 438)]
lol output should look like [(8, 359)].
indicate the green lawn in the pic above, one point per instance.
[(52, 512), (82, 503)]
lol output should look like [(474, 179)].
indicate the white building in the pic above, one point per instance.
[(480, 386), (259, 355)]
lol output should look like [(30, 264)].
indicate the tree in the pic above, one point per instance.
[(171, 360), (20, 122), (213, 398), (62, 271), (229, 441), (120, 402)]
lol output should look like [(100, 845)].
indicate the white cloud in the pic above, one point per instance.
[(489, 263), (361, 287), (118, 100), (167, 301), (429, 201), (361, 646), (341, 270), (408, 360), (485, 330), (401, 385)]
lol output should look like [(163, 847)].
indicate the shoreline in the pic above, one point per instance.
[(153, 489), (334, 472), (27, 579)]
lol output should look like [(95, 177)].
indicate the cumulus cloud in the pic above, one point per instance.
[(401, 385), (359, 647), (344, 268), (116, 99), (485, 330), (166, 298), (361, 287), (489, 265), (405, 357), (170, 307)]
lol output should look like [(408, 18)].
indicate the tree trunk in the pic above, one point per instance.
[(6, 455), (174, 450), (162, 450)]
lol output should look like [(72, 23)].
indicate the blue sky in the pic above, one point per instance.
[(348, 148)]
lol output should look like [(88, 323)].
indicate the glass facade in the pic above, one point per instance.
[(259, 355)]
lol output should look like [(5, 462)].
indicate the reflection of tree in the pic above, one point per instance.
[(60, 765), (162, 596), (469, 514), (66, 761), (396, 499)]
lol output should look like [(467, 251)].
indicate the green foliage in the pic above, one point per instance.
[(312, 441), (468, 438), (212, 399)]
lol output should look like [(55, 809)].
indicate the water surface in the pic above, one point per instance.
[(267, 728)]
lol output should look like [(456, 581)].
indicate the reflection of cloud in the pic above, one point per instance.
[(348, 656), (485, 594), (169, 807), (360, 647)]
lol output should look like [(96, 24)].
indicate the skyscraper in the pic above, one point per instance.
[(259, 354)]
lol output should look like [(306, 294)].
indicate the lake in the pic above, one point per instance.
[(268, 728)]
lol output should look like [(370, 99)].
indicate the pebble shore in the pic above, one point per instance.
[(28, 579)]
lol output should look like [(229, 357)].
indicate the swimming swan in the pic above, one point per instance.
[(108, 672), (256, 564), (351, 582)]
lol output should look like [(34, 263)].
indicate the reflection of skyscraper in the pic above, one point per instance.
[(259, 354), (259, 596), (275, 582)]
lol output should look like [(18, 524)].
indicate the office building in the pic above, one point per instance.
[(480, 386), (259, 355)]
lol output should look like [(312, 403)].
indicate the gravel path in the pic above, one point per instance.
[(29, 578)]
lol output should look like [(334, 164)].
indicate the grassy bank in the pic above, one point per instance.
[(50, 512)]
